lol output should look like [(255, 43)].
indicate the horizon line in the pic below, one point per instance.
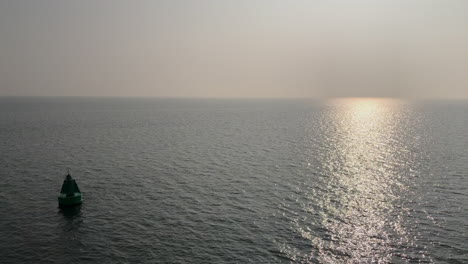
[(239, 97)]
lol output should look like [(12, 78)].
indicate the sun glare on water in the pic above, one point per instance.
[(362, 182)]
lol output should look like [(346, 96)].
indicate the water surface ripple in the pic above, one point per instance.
[(234, 181)]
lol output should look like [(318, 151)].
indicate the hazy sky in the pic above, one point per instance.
[(239, 48)]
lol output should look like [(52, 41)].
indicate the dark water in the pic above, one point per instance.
[(234, 181)]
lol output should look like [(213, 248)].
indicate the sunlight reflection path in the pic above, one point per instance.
[(363, 184)]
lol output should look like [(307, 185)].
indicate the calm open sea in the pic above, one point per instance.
[(234, 181)]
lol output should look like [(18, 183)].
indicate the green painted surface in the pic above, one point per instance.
[(70, 200), (70, 193)]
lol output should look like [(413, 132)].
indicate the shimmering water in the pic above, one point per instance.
[(234, 181)]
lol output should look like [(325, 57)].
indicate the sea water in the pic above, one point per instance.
[(234, 181)]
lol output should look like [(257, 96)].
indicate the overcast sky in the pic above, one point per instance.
[(241, 48)]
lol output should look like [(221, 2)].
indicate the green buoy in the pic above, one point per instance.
[(70, 194)]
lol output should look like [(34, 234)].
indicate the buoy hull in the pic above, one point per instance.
[(64, 200)]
